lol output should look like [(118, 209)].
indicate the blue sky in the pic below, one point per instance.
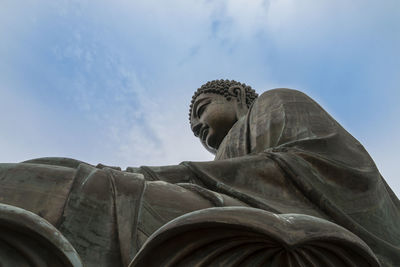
[(111, 81)]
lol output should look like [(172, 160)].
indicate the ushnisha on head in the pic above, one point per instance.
[(216, 106)]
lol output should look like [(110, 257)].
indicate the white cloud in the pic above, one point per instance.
[(124, 71), (153, 132)]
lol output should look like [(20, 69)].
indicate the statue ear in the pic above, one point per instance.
[(239, 92)]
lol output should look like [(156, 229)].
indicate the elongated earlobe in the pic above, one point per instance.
[(240, 94)]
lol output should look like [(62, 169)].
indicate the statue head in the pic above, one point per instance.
[(216, 106)]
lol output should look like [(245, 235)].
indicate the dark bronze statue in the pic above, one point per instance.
[(288, 187)]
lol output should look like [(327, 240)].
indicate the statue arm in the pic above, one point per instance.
[(191, 172), (212, 174), (172, 174)]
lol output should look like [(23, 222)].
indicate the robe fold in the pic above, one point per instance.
[(104, 213), (286, 156)]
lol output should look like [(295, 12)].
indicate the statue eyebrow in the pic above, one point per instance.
[(197, 103)]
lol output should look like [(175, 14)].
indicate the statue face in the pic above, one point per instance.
[(212, 117)]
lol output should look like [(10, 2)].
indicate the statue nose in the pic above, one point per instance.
[(196, 129)]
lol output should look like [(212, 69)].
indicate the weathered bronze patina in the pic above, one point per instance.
[(288, 187)]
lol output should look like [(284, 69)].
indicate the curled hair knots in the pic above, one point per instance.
[(226, 88)]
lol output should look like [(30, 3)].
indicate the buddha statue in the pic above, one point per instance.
[(284, 169)]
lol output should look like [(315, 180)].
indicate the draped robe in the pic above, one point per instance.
[(286, 156)]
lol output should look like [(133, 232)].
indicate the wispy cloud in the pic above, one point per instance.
[(111, 82)]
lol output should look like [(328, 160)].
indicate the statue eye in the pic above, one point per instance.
[(201, 109)]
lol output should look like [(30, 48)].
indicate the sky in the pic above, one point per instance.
[(111, 81)]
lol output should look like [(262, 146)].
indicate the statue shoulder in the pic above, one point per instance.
[(281, 92), (276, 97)]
